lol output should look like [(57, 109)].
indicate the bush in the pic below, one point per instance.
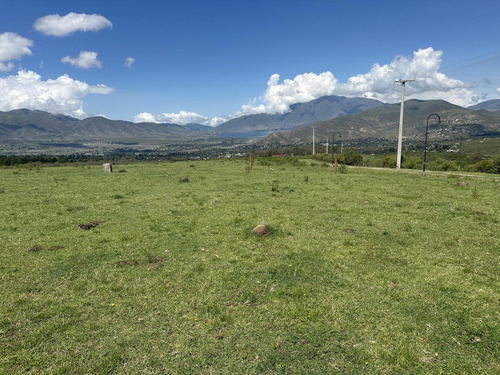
[(390, 161), (321, 157), (350, 158), (486, 166), (448, 165), (342, 168), (412, 162)]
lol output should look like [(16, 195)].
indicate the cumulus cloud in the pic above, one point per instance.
[(378, 83), (423, 67), (303, 88), (13, 47), (61, 95), (85, 60), (129, 61), (56, 25), (181, 118)]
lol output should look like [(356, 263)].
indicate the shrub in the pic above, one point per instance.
[(486, 166), (390, 161), (448, 165), (350, 158), (321, 157), (412, 162), (342, 168)]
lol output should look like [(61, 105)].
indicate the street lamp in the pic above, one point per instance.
[(426, 131), (334, 159)]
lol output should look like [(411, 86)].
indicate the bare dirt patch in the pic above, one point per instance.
[(90, 225), (52, 248), (35, 249)]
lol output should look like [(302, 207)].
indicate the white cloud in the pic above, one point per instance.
[(129, 61), (181, 118), (13, 47), (498, 90), (378, 83), (145, 117), (60, 95), (85, 60), (423, 67), (303, 88), (56, 25)]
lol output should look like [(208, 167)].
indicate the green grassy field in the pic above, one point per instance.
[(368, 272)]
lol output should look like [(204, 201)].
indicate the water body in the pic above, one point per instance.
[(256, 134)]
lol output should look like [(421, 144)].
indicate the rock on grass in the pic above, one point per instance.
[(261, 230)]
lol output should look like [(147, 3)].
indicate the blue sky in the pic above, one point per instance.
[(202, 61)]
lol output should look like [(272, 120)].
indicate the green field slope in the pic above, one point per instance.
[(368, 272)]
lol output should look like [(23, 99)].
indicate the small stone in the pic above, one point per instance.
[(261, 230)]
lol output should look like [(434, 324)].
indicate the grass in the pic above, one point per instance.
[(365, 272)]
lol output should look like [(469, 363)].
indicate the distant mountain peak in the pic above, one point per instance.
[(300, 114)]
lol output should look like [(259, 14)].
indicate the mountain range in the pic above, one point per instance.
[(352, 117), (383, 122), (24, 124)]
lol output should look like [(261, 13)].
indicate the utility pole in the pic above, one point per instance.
[(327, 146), (313, 142), (400, 134)]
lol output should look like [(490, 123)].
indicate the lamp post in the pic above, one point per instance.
[(334, 157), (426, 131)]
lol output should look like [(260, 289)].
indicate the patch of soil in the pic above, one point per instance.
[(349, 230), (52, 248), (35, 248), (90, 225), (463, 183), (261, 230), (153, 259), (153, 266), (123, 263)]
